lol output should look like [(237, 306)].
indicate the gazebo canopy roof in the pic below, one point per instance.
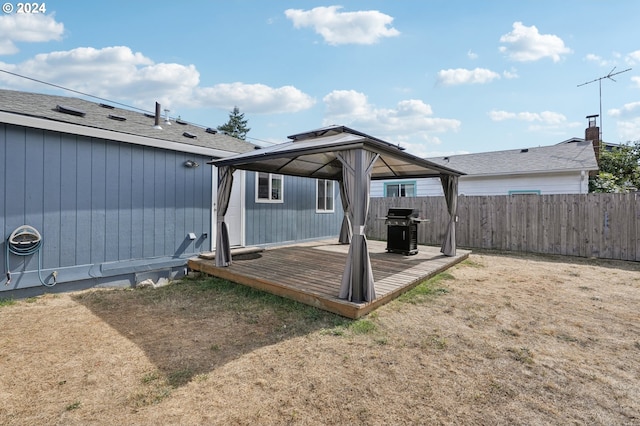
[(314, 154)]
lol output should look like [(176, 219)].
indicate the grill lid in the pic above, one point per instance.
[(398, 212)]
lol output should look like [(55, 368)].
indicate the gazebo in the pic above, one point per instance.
[(352, 158)]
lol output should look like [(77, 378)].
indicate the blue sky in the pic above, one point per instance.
[(437, 77)]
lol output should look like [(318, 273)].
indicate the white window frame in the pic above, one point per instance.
[(331, 191), (400, 185), (272, 176)]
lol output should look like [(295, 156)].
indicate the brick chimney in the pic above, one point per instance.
[(592, 133)]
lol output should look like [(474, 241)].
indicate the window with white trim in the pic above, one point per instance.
[(400, 189), (324, 196), (269, 188)]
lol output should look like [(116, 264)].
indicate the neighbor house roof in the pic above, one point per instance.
[(576, 156), (79, 116)]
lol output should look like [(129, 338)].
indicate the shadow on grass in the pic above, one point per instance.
[(193, 326)]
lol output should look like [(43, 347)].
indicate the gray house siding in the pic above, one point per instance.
[(103, 208), (295, 219)]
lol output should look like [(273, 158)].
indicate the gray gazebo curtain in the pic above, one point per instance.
[(345, 229), (223, 248), (450, 187), (357, 278)]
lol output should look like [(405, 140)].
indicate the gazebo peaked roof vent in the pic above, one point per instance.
[(334, 129)]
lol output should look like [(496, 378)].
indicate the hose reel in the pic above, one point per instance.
[(25, 240)]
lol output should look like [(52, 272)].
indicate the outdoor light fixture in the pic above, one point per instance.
[(190, 164)]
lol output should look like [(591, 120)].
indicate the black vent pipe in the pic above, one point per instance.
[(157, 122)]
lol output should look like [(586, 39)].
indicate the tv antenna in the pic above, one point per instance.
[(599, 80)]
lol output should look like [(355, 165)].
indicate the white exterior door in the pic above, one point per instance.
[(235, 212)]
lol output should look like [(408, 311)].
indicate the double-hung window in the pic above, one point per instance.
[(269, 188), (400, 189), (324, 196)]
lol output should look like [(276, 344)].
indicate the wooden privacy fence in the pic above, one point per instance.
[(604, 226)]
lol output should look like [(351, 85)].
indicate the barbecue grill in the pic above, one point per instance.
[(402, 230)]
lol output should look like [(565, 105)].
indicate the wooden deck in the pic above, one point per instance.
[(311, 273)]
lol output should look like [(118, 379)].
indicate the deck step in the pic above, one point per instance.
[(234, 251)]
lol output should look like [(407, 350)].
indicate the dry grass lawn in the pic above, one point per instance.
[(498, 339)]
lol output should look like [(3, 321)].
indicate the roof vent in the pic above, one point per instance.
[(212, 131), (179, 121), (446, 158), (189, 135), (70, 110), (156, 122), (166, 117), (107, 106), (524, 150), (149, 115), (117, 117)]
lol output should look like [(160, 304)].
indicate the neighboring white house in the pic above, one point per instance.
[(557, 169)]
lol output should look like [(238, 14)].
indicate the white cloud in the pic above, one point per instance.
[(410, 123), (627, 110), (510, 74), (636, 81), (471, 55), (526, 44), (335, 27), (29, 28), (501, 115), (629, 130), (545, 121), (255, 98), (633, 58), (544, 117), (591, 57), (126, 76), (454, 77)]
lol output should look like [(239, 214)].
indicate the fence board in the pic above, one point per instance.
[(594, 225)]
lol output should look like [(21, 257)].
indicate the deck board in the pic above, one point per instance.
[(311, 273)]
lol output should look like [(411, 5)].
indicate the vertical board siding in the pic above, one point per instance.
[(51, 200), (586, 225), (124, 207), (294, 219), (97, 201), (3, 160), (68, 200), (84, 230), (112, 197)]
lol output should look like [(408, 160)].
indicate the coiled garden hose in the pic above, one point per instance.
[(26, 249)]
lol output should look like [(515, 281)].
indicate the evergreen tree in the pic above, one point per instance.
[(619, 169), (236, 126)]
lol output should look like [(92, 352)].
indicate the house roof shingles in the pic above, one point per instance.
[(124, 120), (555, 158)]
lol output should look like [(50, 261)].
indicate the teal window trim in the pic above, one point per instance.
[(403, 182), (524, 191)]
